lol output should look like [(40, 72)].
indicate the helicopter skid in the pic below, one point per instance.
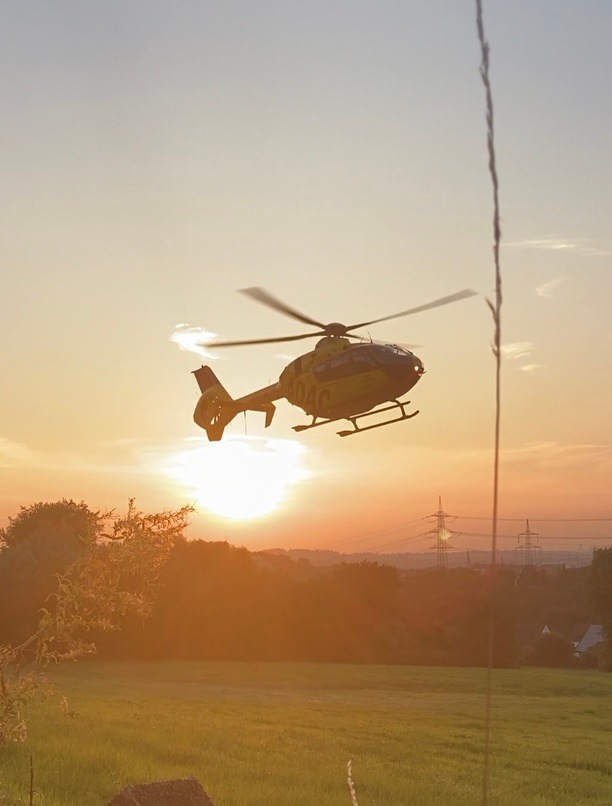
[(357, 429)]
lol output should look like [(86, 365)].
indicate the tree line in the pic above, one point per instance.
[(215, 601)]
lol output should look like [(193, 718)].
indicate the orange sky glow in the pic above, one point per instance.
[(155, 163)]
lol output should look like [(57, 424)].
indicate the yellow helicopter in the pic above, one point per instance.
[(338, 380)]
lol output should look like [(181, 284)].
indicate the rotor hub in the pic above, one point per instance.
[(335, 329)]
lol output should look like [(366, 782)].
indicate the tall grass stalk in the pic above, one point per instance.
[(351, 785), (496, 313)]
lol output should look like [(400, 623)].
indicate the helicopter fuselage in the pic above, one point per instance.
[(336, 380), (339, 378)]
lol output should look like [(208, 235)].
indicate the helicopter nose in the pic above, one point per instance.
[(404, 368), (413, 369)]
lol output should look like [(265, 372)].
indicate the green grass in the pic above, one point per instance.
[(272, 734)]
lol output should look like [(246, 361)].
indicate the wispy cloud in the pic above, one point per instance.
[(544, 243), (546, 289), (14, 454), (581, 246), (221, 463), (554, 454), (193, 339), (110, 458), (517, 349), (595, 252), (545, 454)]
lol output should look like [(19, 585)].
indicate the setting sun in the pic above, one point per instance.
[(239, 478)]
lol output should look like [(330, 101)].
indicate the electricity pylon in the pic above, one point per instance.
[(442, 535), (529, 548)]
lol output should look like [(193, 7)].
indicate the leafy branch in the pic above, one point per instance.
[(116, 576)]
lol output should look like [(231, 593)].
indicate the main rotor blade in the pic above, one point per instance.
[(261, 295), (212, 345), (467, 292)]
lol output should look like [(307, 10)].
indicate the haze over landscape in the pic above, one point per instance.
[(156, 162)]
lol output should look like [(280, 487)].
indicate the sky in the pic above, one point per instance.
[(158, 157)]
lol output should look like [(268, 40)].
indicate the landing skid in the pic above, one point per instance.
[(354, 420)]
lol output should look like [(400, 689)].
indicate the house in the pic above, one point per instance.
[(582, 636), (592, 636)]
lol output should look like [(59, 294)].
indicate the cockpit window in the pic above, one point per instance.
[(349, 363)]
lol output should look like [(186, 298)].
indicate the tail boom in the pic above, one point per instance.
[(216, 408)]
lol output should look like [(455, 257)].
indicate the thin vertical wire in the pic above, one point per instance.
[(496, 347)]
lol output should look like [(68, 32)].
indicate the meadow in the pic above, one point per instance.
[(272, 734)]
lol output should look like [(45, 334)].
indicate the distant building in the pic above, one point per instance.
[(582, 636), (593, 635)]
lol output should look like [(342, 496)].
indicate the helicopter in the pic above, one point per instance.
[(339, 380)]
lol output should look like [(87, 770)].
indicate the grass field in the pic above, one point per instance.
[(281, 734)]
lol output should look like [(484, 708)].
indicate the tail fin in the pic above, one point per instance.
[(215, 408)]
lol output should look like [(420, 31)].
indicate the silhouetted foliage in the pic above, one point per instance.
[(600, 587), (60, 521), (600, 583), (115, 575), (552, 649), (219, 602), (40, 543), (215, 601)]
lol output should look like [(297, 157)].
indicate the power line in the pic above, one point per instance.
[(390, 530), (394, 543), (585, 538), (367, 535), (535, 520), (410, 538)]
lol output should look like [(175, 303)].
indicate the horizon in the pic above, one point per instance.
[(597, 533)]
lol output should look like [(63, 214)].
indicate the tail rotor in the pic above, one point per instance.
[(215, 408)]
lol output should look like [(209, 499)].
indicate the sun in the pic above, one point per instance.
[(239, 478)]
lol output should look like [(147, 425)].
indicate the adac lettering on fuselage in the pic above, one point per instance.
[(307, 395)]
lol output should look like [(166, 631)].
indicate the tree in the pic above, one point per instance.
[(64, 519), (600, 584), (209, 606), (116, 575), (600, 587), (39, 543)]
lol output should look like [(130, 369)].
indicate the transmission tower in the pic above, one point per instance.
[(528, 548), (442, 535)]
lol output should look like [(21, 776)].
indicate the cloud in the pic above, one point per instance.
[(544, 243), (595, 252), (581, 246), (546, 289), (517, 349), (534, 456), (555, 455), (110, 458), (14, 454), (193, 339), (222, 463)]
